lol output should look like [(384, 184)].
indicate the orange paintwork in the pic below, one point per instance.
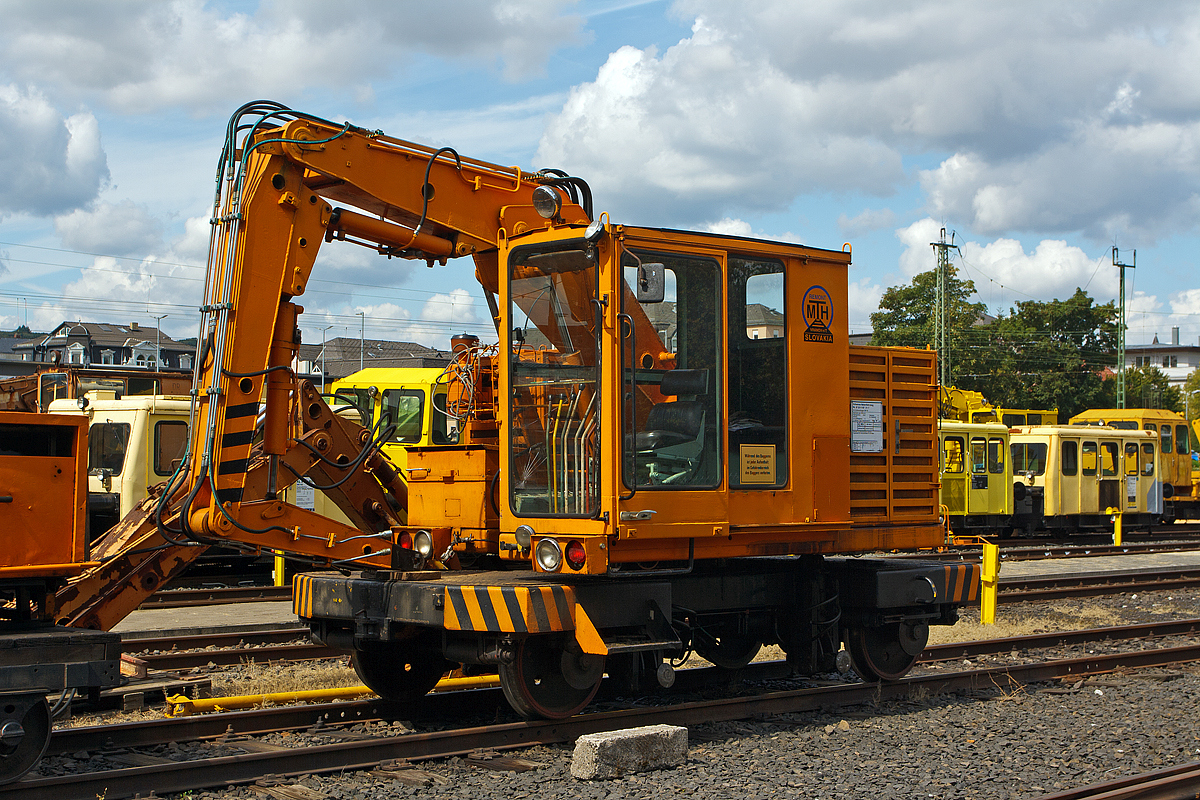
[(44, 519)]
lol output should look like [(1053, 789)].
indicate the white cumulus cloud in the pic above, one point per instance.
[(122, 229), (140, 55), (1049, 118), (1052, 270), (50, 163)]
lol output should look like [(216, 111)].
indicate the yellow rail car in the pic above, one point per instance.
[(976, 476), (1069, 477), (1175, 462)]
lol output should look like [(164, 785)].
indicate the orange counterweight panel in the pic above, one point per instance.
[(900, 482), (43, 494)]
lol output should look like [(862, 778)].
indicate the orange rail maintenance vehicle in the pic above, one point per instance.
[(639, 468), (43, 542)]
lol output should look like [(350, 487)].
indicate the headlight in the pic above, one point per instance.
[(548, 555), (423, 543), (547, 202), (524, 535)]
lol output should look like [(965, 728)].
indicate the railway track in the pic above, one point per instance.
[(356, 753), (1088, 584), (352, 751), (1181, 782)]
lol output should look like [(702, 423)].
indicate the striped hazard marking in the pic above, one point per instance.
[(510, 609), (962, 583)]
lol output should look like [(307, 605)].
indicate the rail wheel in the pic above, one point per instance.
[(24, 735), (729, 651), (550, 677), (886, 653), (399, 671)]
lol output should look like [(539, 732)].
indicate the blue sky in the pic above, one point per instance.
[(1042, 133)]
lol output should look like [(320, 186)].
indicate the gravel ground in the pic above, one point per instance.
[(993, 744)]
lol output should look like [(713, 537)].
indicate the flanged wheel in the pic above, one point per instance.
[(550, 677), (731, 651), (24, 735), (399, 671), (886, 653)]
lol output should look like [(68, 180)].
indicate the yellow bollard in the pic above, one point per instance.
[(989, 578), (278, 568), (1116, 515)]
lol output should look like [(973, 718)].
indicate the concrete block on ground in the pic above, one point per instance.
[(615, 753)]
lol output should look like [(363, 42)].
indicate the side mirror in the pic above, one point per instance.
[(651, 283)]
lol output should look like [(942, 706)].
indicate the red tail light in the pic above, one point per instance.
[(406, 541), (576, 555)]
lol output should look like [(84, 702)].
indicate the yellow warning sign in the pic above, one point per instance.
[(758, 463)]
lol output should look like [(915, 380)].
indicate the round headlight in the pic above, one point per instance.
[(524, 535), (548, 555), (546, 202), (423, 543)]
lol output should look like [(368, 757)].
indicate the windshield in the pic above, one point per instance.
[(555, 394)]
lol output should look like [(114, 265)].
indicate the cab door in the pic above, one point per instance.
[(1069, 479), (954, 475), (1089, 478), (1109, 489), (977, 486)]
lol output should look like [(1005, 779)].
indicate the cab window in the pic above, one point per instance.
[(402, 408), (1029, 457), (1109, 463), (995, 456), (1148, 458), (1013, 420), (170, 440), (757, 333), (978, 456), (1167, 445), (444, 428), (361, 398), (952, 455), (1181, 440), (1070, 458), (106, 446), (1131, 458), (672, 389), (1089, 458)]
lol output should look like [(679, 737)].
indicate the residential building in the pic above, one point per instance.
[(1176, 360), (101, 343)]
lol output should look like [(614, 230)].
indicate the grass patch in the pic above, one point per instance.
[(255, 678)]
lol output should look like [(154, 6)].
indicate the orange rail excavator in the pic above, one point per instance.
[(661, 453)]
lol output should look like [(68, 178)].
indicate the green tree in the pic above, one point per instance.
[(1145, 387), (1191, 401), (906, 319), (1051, 355)]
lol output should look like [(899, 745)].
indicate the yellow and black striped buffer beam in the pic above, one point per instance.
[(302, 595), (510, 609), (962, 583)]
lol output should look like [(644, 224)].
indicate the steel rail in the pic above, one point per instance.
[(1181, 782), (185, 598), (1089, 584), (368, 753), (1035, 553)]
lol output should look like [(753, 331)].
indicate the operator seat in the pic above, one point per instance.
[(674, 435)]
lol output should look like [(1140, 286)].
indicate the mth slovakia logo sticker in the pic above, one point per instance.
[(818, 313)]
